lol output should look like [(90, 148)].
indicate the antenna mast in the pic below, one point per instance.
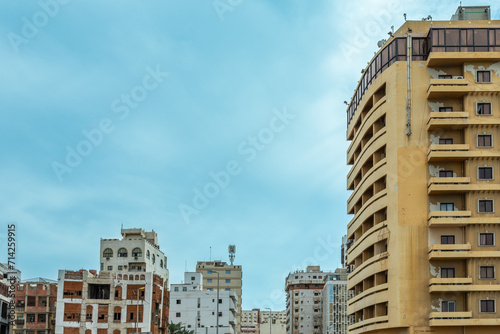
[(232, 251)]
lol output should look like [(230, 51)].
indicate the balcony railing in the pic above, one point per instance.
[(440, 185), (448, 284), (453, 251), (440, 120), (439, 88), (451, 152)]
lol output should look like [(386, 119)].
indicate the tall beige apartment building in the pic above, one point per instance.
[(230, 279), (424, 129)]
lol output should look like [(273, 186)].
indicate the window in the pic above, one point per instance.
[(122, 252), (161, 263), (228, 272), (485, 173), (447, 240), (209, 280), (447, 272), (485, 206), (228, 281), (110, 268), (486, 239), (178, 315), (445, 109), (484, 141), (445, 141), (483, 109), (137, 252), (120, 267), (184, 288), (445, 76), (210, 289), (447, 206), (108, 252), (227, 289), (486, 272), (483, 76), (42, 318), (147, 254), (445, 173), (178, 301), (176, 288), (447, 306), (153, 259), (487, 306)]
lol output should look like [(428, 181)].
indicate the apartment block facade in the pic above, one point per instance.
[(424, 125), (335, 297), (304, 312), (229, 277), (110, 302), (196, 309), (35, 307)]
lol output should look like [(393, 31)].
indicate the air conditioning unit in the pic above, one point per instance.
[(459, 77), (107, 259)]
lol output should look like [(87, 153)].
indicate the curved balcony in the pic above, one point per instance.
[(374, 204), (369, 325), (375, 112), (368, 268), (375, 174), (368, 239), (373, 145)]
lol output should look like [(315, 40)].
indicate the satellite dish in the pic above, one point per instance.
[(381, 43)]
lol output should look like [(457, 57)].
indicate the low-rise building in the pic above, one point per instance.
[(250, 321), (110, 302), (35, 306), (196, 309)]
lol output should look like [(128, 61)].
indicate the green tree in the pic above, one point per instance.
[(178, 329)]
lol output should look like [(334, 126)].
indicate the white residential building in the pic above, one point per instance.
[(196, 309), (335, 297), (303, 304), (138, 251)]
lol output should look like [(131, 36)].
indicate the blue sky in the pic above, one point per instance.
[(121, 112)]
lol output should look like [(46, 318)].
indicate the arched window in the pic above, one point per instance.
[(118, 293), (153, 259), (108, 252), (116, 331), (88, 331), (137, 252), (131, 277), (89, 313), (122, 252), (136, 277), (117, 317), (125, 277), (161, 263), (143, 277), (147, 254), (119, 276)]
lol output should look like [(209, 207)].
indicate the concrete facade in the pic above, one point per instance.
[(109, 302), (335, 297), (196, 309), (304, 291), (424, 131), (230, 279)]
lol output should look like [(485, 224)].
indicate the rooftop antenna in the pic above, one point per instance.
[(404, 15), (232, 250)]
